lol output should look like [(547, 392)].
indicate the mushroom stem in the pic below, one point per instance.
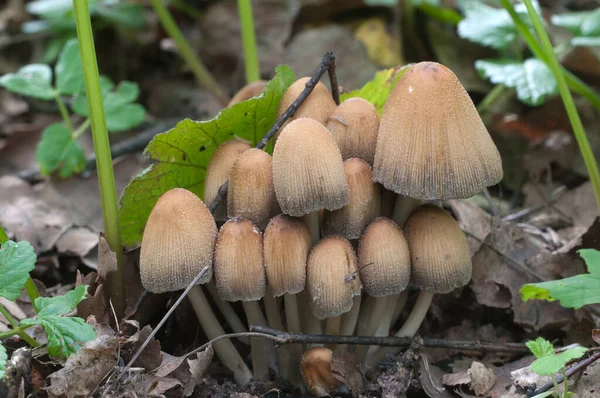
[(224, 349), (386, 321), (228, 313), (402, 209), (409, 329), (286, 368), (292, 314), (312, 222), (333, 328), (295, 351), (400, 303), (376, 309), (310, 323), (259, 347), (350, 318)]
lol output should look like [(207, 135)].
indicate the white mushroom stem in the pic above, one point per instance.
[(386, 321), (224, 349), (228, 312), (312, 222), (376, 309), (310, 323), (333, 328), (292, 314), (403, 207), (399, 307), (409, 329), (350, 318), (259, 348), (275, 322)]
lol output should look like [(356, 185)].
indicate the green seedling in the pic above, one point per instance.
[(585, 26), (548, 363), (59, 150)]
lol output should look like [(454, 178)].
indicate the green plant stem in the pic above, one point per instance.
[(573, 81), (490, 98), (555, 385), (30, 288), (82, 127), (580, 136), (64, 113), (200, 72), (565, 383), (106, 177), (249, 41), (17, 329)]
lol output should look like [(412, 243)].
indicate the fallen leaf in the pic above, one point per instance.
[(107, 259), (151, 357), (382, 47), (198, 367), (345, 369), (475, 222), (482, 378), (78, 241)]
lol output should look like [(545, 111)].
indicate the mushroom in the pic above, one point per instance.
[(332, 280), (240, 275), (178, 243), (318, 105), (432, 144), (354, 125), (251, 90), (251, 194), (441, 262), (308, 172), (384, 261), (316, 371), (364, 202)]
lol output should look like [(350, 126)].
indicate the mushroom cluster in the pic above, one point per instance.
[(337, 211)]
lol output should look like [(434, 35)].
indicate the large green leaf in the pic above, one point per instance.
[(377, 90), (33, 80), (548, 363), (182, 154), (17, 260)]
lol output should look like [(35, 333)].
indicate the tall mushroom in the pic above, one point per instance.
[(178, 243), (318, 105)]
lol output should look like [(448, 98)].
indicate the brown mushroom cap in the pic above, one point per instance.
[(239, 270), (384, 258), (251, 90), (251, 194), (332, 279), (178, 242), (440, 256), (432, 143), (316, 371), (218, 170), (363, 206), (308, 171), (354, 125), (318, 105), (286, 247)]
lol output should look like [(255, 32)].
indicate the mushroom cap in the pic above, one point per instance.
[(363, 206), (218, 170), (308, 171), (316, 371), (251, 90), (354, 125), (332, 278), (239, 270), (178, 242), (384, 258), (439, 252), (432, 143), (287, 243), (251, 194), (318, 105)]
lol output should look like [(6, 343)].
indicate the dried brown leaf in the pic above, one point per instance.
[(345, 369), (107, 259), (482, 378), (198, 367)]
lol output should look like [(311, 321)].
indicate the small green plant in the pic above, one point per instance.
[(59, 150), (65, 334), (585, 26), (548, 363)]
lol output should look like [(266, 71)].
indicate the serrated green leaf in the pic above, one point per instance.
[(377, 90), (60, 305), (33, 80), (573, 292), (532, 79), (583, 23), (17, 260), (540, 347), (69, 70), (488, 26), (65, 334), (58, 150), (182, 153), (552, 364), (3, 359), (127, 14), (124, 117)]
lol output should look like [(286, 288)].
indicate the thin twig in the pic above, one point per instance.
[(581, 365)]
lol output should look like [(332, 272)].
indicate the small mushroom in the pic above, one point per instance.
[(318, 105), (251, 90), (178, 243), (316, 371)]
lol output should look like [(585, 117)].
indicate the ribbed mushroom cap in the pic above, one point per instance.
[(308, 171), (287, 243), (332, 279), (432, 143), (318, 105), (251, 90), (218, 170), (316, 371), (239, 269), (363, 206), (384, 258), (354, 125), (178, 242), (439, 251), (251, 194)]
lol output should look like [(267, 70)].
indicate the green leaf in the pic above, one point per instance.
[(53, 48), (540, 347), (33, 80), (127, 14), (44, 7), (69, 69), (573, 292), (182, 153), (532, 79), (552, 364), (3, 359), (58, 150), (17, 260), (377, 90), (585, 41), (64, 333), (583, 23)]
